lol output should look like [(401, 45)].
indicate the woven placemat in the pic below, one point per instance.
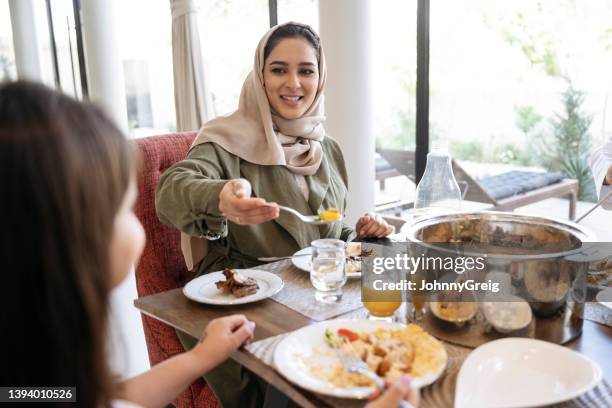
[(598, 313), (440, 394), (298, 293)]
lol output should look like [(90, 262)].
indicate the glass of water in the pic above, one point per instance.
[(327, 272)]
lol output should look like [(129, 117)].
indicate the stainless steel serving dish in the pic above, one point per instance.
[(541, 256)]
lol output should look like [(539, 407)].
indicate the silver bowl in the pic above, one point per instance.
[(542, 256), (510, 235)]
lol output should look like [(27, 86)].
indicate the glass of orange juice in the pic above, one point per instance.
[(380, 302), (385, 305)]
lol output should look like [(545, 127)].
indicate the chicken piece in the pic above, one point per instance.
[(361, 348), (245, 290), (373, 361), (400, 357), (395, 373), (380, 351), (237, 284), (384, 367), (384, 347)]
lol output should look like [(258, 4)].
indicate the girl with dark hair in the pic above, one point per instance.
[(272, 149), (68, 237)]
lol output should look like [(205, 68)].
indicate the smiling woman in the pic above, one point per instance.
[(272, 150)]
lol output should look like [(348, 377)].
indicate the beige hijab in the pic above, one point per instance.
[(259, 136), (256, 134)]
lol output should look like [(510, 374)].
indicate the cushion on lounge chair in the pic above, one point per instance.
[(517, 182), (381, 164)]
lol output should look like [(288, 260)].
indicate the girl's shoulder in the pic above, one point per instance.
[(124, 404)]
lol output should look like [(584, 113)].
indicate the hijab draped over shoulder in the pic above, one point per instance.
[(257, 135)]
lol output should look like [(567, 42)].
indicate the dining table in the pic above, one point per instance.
[(277, 316)]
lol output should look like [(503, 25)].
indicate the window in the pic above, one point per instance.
[(393, 45), (510, 80), (300, 11), (146, 53), (138, 94), (8, 70), (230, 32), (393, 68), (62, 16)]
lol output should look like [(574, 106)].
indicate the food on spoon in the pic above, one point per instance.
[(237, 284), (329, 215)]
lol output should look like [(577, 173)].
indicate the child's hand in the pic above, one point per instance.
[(397, 391), (223, 336)]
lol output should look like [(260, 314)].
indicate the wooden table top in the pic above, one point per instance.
[(273, 318)]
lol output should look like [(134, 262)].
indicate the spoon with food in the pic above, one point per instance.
[(324, 216)]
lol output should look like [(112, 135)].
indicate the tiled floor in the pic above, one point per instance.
[(128, 350)]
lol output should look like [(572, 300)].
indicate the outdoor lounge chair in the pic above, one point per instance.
[(505, 191)]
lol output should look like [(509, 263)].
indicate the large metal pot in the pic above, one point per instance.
[(540, 255)]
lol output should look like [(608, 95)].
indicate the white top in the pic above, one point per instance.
[(601, 161), (124, 404)]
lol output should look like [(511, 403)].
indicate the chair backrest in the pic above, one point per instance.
[(475, 191), (161, 266), (404, 161)]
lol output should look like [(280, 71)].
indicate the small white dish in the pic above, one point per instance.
[(296, 348), (519, 372), (203, 289), (605, 298), (301, 261), (511, 314)]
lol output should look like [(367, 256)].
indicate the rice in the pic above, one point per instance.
[(427, 357)]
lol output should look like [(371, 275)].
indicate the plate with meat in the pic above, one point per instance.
[(233, 287), (308, 357)]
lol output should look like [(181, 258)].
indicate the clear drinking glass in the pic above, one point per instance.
[(327, 273)]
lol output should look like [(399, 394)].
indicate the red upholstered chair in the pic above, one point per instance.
[(162, 266)]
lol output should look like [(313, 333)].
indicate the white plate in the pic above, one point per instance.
[(303, 262), (605, 298), (519, 372), (204, 290), (301, 343)]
